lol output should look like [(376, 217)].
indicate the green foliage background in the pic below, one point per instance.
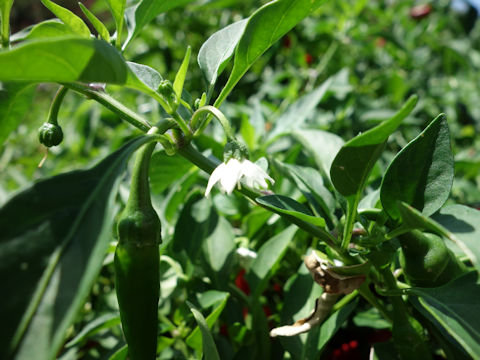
[(371, 54)]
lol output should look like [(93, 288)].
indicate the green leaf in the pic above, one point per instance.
[(208, 345), (310, 183), (165, 169), (117, 7), (335, 321), (355, 160), (455, 308), (421, 174), (55, 235), (196, 222), (66, 59), (264, 28), (15, 100), (98, 324), (182, 73), (463, 227), (194, 340), (97, 24), (144, 77), (45, 29), (75, 23), (268, 257), (218, 50), (219, 249), (321, 145), (297, 113), (120, 354), (285, 205), (145, 11), (178, 193)]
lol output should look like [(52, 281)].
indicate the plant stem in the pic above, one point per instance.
[(372, 299), (217, 114), (181, 123), (55, 107), (110, 103), (352, 204), (344, 301)]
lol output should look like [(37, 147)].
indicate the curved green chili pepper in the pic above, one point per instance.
[(426, 261), (137, 278)]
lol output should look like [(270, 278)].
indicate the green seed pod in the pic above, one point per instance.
[(426, 260), (50, 134), (137, 278)]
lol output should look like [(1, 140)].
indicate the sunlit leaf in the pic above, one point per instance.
[(53, 239)]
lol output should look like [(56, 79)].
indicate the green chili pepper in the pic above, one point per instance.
[(426, 261), (137, 279)]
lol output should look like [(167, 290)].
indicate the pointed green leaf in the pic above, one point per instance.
[(143, 77), (117, 7), (15, 100), (45, 29), (454, 307), (53, 239), (145, 11), (264, 28), (100, 323), (463, 225), (219, 248), (421, 174), (218, 50), (285, 205), (194, 340), (208, 345), (69, 18), (298, 112), (66, 59), (355, 160), (97, 24), (321, 145), (182, 73), (309, 182), (269, 255)]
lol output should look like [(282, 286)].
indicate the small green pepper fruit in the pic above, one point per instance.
[(137, 278), (50, 134), (426, 261)]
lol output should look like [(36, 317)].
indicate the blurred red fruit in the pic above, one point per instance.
[(380, 42), (308, 59), (241, 283), (420, 11)]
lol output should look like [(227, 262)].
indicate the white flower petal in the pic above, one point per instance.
[(214, 178), (254, 176), (230, 176), (233, 171)]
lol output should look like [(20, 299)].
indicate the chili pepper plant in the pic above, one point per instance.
[(256, 222)]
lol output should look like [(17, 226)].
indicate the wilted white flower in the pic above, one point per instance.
[(233, 171)]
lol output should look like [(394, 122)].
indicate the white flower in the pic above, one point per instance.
[(233, 171)]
